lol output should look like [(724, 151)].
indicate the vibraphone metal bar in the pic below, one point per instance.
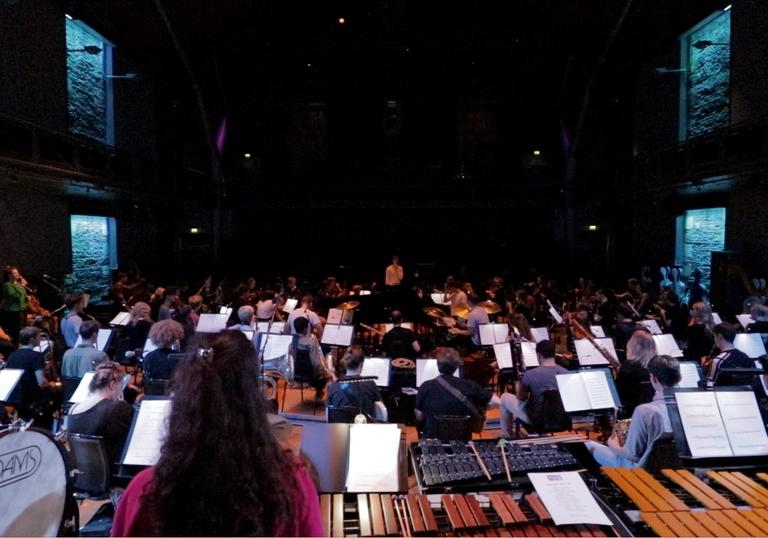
[(492, 514), (667, 515)]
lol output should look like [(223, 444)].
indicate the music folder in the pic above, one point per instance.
[(539, 334), (102, 340), (9, 378), (122, 318), (145, 439), (588, 390), (667, 345), (493, 333), (751, 344), (426, 369), (338, 335), (378, 367), (589, 355), (720, 423), (212, 323)]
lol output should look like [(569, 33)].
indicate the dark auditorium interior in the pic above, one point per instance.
[(398, 267)]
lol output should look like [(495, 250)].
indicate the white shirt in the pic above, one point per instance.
[(301, 312)]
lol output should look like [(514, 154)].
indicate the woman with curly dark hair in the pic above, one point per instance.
[(221, 471)]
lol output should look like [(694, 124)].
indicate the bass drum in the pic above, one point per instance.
[(35, 495)]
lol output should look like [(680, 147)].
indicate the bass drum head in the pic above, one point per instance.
[(33, 484)]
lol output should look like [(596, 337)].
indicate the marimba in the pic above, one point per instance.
[(681, 504), (481, 514)]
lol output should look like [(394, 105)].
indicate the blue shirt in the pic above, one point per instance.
[(70, 328)]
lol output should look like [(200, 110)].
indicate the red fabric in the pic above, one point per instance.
[(134, 519)]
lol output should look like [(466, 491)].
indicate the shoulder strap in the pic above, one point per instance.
[(459, 396)]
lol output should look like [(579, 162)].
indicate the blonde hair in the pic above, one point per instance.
[(702, 313), (164, 333), (641, 347), (140, 311)]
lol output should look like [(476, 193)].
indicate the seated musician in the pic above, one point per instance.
[(83, 358), (104, 413), (136, 332), (534, 383), (166, 335), (266, 308), (729, 357), (70, 325), (400, 341), (759, 313), (30, 394), (364, 395), (624, 329), (303, 311), (633, 382), (245, 316), (433, 399), (221, 471), (649, 421), (308, 363), (698, 334), (477, 316)]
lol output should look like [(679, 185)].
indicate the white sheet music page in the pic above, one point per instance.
[(667, 345), (290, 305), (743, 423), (530, 359), (597, 330), (539, 334), (750, 343), (122, 318), (9, 377), (689, 375), (555, 315), (716, 319), (83, 390), (652, 325), (744, 319), (703, 425), (598, 389), (487, 335), (500, 332), (149, 433), (567, 499), (378, 367), (572, 392), (346, 334), (212, 323), (588, 354), (334, 316), (503, 353), (330, 334), (373, 458), (276, 345)]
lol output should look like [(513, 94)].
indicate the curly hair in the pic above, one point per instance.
[(140, 311), (221, 471), (164, 333)]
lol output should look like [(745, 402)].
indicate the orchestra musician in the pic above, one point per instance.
[(308, 360), (30, 395), (649, 421), (245, 316), (119, 289), (698, 334), (729, 357), (70, 325), (81, 359), (363, 395), (14, 301), (477, 316), (303, 311), (633, 382), (400, 341), (393, 275), (167, 336)]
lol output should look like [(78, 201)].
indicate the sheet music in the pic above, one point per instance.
[(122, 318), (378, 367), (212, 323), (703, 425), (334, 316), (148, 433), (365, 292), (597, 330), (102, 340), (763, 380), (439, 298), (44, 345), (278, 327), (373, 458), (744, 319), (503, 353), (82, 391), (405, 325), (743, 423), (751, 344), (667, 345), (226, 310), (426, 369), (9, 377), (652, 325), (493, 333), (338, 335), (555, 315), (598, 389), (567, 499), (689, 375), (249, 335), (572, 392), (589, 355), (274, 346), (716, 318), (290, 305), (539, 334), (149, 346), (530, 358)]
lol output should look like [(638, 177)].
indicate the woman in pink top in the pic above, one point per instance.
[(221, 471)]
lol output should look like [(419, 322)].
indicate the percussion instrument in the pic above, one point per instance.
[(461, 310), (404, 363), (349, 305), (433, 312), (479, 514), (34, 485), (678, 503), (446, 322), (490, 307)]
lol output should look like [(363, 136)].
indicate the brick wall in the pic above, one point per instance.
[(86, 84)]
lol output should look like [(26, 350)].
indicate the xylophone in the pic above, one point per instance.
[(722, 503), (482, 514)]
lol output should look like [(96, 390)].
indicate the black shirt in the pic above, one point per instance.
[(28, 390), (699, 342), (361, 395), (137, 334), (158, 364), (733, 359), (434, 400), (633, 383), (110, 419), (399, 343)]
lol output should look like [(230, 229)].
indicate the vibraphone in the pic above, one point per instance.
[(483, 514), (681, 504)]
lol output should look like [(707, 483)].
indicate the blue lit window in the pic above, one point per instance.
[(94, 254), (699, 233)]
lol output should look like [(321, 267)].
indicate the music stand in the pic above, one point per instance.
[(102, 340), (377, 368), (426, 370), (9, 378)]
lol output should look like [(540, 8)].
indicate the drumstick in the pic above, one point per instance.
[(480, 460), (502, 443)]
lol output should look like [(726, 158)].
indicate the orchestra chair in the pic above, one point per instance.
[(154, 387), (343, 414), (454, 427), (663, 455), (303, 376), (551, 416), (90, 464)]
